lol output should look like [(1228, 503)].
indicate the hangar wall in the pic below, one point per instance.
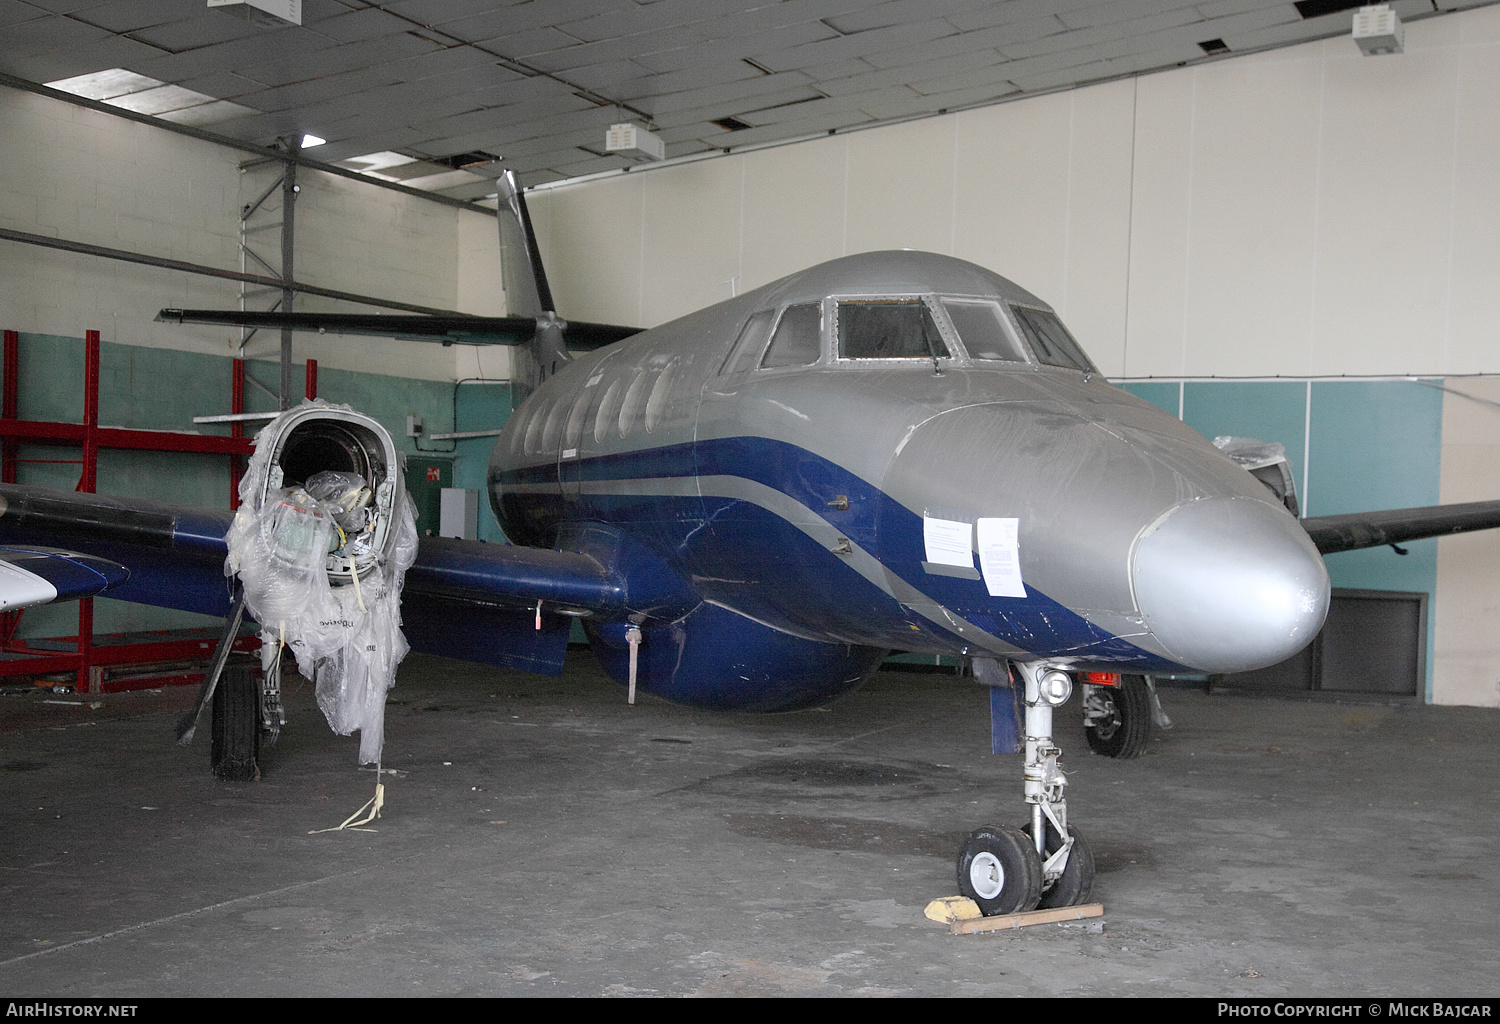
[(79, 174), (1293, 214)]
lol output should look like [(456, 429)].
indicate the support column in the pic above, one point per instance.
[(289, 190), (88, 480), (10, 407)]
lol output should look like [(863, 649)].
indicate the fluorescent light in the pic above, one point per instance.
[(309, 141), (130, 91)]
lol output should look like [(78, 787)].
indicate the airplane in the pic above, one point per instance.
[(747, 508)]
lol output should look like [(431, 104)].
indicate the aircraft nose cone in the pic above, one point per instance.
[(1230, 584)]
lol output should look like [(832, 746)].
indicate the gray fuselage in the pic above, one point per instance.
[(805, 496)]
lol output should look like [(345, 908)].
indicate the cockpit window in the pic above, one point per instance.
[(752, 340), (1050, 340), (982, 331), (889, 329), (798, 337)]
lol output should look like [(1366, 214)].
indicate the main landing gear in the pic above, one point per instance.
[(1007, 870), (1117, 719)]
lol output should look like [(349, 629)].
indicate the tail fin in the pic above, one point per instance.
[(526, 290)]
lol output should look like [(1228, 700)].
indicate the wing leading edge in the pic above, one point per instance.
[(1375, 529), (494, 603)]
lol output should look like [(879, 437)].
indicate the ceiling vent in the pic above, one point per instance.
[(266, 13), (1378, 31), (633, 142)]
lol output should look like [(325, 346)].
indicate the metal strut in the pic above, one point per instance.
[(1046, 687)]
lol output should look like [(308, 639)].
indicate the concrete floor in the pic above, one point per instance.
[(543, 838)]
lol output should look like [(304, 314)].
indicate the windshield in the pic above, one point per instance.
[(982, 331), (1050, 340), (888, 329)]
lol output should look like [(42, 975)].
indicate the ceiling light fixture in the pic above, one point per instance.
[(309, 141)]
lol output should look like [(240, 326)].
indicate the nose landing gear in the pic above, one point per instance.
[(1007, 870)]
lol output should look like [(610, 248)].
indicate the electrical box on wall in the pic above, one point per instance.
[(633, 141), (269, 13)]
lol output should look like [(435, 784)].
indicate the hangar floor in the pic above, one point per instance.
[(543, 838)]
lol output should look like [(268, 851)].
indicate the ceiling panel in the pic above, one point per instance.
[(537, 81), (131, 15)]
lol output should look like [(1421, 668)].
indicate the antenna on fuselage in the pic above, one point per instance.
[(525, 283)]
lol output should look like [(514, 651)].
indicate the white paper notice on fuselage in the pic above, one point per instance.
[(1000, 557), (948, 542)]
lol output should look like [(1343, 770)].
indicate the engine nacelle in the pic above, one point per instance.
[(314, 439)]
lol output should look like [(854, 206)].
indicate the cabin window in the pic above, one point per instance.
[(798, 337), (982, 330), (553, 427), (635, 402), (608, 407), (889, 329), (533, 443), (1050, 340), (751, 342), (573, 432), (657, 403)]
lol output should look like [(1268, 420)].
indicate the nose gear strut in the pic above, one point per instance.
[(1007, 870)]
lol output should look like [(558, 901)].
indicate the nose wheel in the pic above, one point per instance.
[(999, 869), (1047, 864)]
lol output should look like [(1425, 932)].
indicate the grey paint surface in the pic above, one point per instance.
[(1086, 468)]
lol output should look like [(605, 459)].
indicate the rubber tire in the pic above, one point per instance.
[(1126, 737), (235, 748), (1017, 857), (1077, 881)]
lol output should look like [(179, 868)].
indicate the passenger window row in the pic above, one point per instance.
[(631, 400)]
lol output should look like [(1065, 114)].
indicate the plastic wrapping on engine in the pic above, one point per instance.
[(347, 638), (1247, 451)]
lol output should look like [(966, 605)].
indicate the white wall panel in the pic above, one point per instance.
[(590, 238), (1160, 226), (692, 235), (1384, 210), (1094, 295), (1012, 191), (793, 212), (900, 191), (1466, 665), (1253, 210), (1473, 302)]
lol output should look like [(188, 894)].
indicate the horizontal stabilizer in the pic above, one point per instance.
[(1376, 529), (458, 328)]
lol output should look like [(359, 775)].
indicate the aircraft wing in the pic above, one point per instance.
[(1375, 529), (456, 328), (463, 599), (32, 575)]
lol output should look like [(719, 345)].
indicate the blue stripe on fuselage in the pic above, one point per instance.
[(1035, 623)]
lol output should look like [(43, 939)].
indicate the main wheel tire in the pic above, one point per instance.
[(1076, 883), (235, 747), (998, 868), (1127, 730)]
